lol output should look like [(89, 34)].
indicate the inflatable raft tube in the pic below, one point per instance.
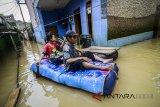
[(94, 81)]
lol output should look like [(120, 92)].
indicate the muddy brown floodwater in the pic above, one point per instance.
[(139, 76)]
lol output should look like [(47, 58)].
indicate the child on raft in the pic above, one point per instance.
[(50, 50), (74, 61)]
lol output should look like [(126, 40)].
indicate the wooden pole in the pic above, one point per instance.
[(13, 97)]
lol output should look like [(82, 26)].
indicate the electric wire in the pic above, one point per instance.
[(72, 15)]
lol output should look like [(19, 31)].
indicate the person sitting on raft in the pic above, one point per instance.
[(50, 50), (73, 61)]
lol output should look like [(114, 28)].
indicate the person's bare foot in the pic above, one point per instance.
[(106, 67), (108, 60)]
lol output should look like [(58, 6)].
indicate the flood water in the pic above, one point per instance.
[(139, 75)]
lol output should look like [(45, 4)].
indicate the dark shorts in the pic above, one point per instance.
[(78, 65), (57, 60)]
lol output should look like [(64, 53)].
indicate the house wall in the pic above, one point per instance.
[(71, 7), (99, 26), (39, 30), (115, 25), (31, 13), (130, 39), (129, 17), (130, 21), (49, 21), (53, 16), (37, 22)]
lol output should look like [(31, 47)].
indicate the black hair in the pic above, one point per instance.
[(50, 33), (49, 36)]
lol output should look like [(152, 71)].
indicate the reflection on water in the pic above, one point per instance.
[(139, 74), (156, 82), (8, 64)]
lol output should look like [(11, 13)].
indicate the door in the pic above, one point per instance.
[(89, 17), (77, 20), (156, 27), (54, 30)]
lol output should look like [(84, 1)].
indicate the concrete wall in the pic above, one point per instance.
[(122, 27), (99, 23), (131, 8), (71, 7), (50, 19), (37, 21), (40, 30), (31, 13), (122, 19), (129, 17), (130, 39)]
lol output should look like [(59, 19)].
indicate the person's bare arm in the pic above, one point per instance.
[(40, 59), (78, 50), (48, 57), (63, 43)]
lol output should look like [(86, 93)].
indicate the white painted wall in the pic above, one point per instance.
[(31, 13)]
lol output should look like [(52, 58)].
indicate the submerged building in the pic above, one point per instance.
[(8, 34), (109, 22)]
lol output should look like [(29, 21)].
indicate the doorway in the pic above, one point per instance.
[(54, 30), (77, 20), (89, 17), (156, 26)]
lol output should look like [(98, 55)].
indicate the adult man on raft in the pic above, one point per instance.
[(73, 61)]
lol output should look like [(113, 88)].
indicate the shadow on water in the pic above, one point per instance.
[(8, 64)]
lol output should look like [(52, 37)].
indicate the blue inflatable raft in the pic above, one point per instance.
[(94, 81)]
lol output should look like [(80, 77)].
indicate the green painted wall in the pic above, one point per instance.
[(2, 43)]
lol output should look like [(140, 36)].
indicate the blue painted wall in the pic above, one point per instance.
[(41, 23), (38, 35), (39, 30), (71, 7), (51, 16), (130, 39), (35, 3), (50, 19), (99, 27)]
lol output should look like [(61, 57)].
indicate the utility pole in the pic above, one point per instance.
[(18, 2)]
